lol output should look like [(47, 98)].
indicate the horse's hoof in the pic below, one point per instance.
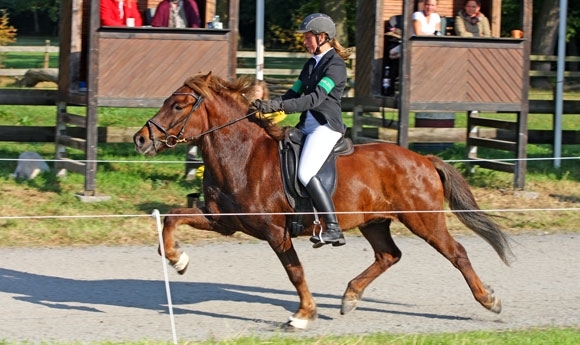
[(295, 324), (496, 305), (182, 263), (348, 305)]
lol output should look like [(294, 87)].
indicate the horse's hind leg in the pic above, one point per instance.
[(386, 255), (439, 238)]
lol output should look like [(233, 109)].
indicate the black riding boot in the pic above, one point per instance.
[(323, 203)]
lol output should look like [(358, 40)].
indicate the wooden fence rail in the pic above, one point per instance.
[(426, 135), (553, 59), (48, 49), (46, 134), (14, 72)]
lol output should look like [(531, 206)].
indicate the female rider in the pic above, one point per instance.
[(317, 95)]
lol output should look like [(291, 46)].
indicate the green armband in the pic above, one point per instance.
[(327, 84), (297, 87)]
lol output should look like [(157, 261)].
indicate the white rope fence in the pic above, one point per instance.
[(182, 161), (506, 210), (286, 213)]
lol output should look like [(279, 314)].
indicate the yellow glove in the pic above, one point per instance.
[(276, 117)]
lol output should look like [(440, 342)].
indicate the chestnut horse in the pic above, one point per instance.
[(243, 190)]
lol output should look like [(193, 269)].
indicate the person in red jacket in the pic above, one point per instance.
[(120, 13), (177, 14)]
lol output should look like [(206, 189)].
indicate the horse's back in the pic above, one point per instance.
[(387, 157), (385, 175)]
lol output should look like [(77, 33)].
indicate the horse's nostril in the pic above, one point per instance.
[(139, 140)]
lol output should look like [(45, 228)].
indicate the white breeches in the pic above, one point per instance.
[(320, 141)]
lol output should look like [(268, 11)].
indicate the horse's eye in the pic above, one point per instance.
[(178, 107)]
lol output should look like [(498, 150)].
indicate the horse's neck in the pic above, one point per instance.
[(232, 152)]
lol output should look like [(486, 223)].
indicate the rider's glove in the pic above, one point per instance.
[(268, 106)]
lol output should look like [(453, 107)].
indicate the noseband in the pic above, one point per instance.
[(172, 140)]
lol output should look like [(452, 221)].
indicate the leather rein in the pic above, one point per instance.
[(172, 140)]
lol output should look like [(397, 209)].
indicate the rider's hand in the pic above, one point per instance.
[(268, 106)]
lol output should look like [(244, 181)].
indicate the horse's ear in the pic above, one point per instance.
[(208, 76)]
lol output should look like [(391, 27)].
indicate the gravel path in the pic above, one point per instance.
[(237, 289)]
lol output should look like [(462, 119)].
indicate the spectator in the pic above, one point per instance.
[(427, 21), (177, 14), (260, 91), (469, 22), (120, 13)]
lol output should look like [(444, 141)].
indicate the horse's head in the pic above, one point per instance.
[(184, 116)]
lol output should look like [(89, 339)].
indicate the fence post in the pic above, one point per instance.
[(46, 53)]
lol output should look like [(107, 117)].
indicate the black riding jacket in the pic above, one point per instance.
[(319, 92)]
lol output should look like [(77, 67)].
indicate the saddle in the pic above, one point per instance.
[(289, 149)]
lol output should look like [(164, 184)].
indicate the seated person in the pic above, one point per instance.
[(120, 13), (427, 22), (177, 14), (469, 22)]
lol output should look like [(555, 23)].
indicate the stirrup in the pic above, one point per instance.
[(333, 236), (316, 238), (319, 240)]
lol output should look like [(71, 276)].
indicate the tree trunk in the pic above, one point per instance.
[(37, 75), (544, 39), (337, 11), (36, 24)]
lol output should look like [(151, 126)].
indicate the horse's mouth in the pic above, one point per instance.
[(145, 146), (149, 149)]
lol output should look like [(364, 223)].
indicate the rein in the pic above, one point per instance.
[(225, 125), (172, 140)]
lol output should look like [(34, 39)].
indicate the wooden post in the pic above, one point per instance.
[(46, 54)]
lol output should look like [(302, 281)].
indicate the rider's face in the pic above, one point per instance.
[(310, 42)]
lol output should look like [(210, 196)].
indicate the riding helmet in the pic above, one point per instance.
[(318, 23)]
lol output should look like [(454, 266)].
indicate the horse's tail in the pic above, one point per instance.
[(460, 198)]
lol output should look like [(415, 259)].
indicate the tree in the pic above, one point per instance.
[(544, 37), (7, 31), (35, 16), (282, 18), (337, 11)]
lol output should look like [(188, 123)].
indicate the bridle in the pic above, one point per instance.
[(172, 140)]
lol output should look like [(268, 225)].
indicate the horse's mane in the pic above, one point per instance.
[(207, 85), (204, 84)]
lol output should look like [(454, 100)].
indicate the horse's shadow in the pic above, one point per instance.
[(65, 293)]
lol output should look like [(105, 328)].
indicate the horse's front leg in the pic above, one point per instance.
[(306, 312), (193, 217)]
